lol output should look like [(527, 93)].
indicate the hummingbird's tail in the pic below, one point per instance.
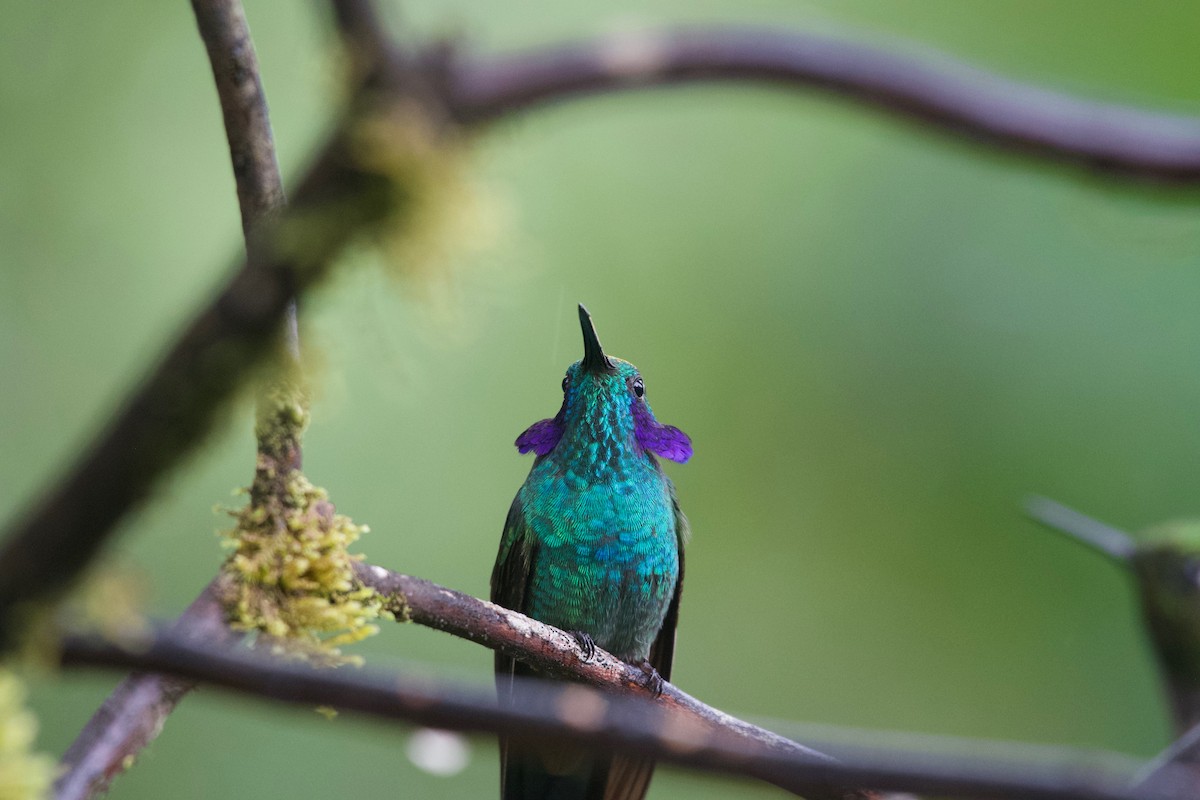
[(563, 772)]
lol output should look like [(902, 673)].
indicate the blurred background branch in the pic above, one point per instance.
[(543, 710), (931, 89)]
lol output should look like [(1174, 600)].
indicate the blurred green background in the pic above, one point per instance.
[(879, 339)]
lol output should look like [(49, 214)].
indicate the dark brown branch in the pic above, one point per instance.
[(588, 717), (133, 714), (222, 25), (935, 90)]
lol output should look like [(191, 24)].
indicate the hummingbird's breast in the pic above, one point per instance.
[(607, 553)]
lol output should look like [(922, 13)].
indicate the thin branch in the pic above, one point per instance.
[(222, 25), (133, 714), (929, 88), (588, 717)]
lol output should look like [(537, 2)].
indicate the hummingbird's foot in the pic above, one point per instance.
[(586, 643), (651, 679)]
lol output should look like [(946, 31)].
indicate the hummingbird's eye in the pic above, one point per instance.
[(566, 383), (639, 388)]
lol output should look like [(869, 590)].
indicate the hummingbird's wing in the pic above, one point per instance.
[(533, 772), (510, 579), (629, 777), (662, 652)]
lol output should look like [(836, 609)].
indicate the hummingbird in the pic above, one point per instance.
[(1164, 561), (593, 544)]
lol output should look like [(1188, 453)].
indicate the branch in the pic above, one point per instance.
[(590, 718), (134, 713), (937, 90), (222, 25)]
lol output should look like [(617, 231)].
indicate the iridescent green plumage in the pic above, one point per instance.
[(593, 544)]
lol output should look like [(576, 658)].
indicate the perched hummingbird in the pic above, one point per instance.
[(593, 544), (1165, 563)]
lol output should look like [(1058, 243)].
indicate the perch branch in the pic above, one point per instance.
[(932, 89), (550, 650), (588, 717)]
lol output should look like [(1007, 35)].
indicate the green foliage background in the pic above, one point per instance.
[(879, 339)]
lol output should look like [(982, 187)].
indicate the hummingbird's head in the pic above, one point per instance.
[(604, 407), (1166, 564), (1164, 561)]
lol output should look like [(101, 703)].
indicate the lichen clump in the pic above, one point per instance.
[(293, 573), (24, 774)]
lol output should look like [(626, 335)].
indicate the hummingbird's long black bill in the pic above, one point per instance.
[(594, 359), (1112, 542)]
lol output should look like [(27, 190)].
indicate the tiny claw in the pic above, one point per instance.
[(651, 679), (586, 643)]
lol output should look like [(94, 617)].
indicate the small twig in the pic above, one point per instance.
[(133, 714), (588, 717), (929, 88)]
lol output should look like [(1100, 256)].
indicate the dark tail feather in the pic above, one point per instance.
[(628, 778), (552, 772)]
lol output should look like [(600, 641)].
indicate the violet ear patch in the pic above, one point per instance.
[(540, 437), (666, 441)]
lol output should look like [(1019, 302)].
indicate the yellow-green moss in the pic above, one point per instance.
[(24, 774), (437, 209), (282, 413), (293, 573)]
